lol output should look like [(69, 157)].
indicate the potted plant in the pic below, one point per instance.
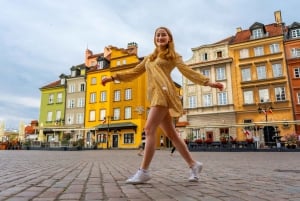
[(224, 138), (198, 141), (249, 140), (208, 141), (291, 140)]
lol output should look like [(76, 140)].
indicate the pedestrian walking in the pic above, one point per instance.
[(165, 103)]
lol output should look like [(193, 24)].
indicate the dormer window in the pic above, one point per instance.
[(73, 73), (100, 64), (295, 33), (219, 54), (257, 33)]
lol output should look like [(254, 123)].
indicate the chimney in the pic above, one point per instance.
[(239, 29), (277, 15)]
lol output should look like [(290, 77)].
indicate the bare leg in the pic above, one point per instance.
[(167, 126), (156, 115)]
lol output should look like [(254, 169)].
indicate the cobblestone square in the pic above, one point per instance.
[(101, 174)]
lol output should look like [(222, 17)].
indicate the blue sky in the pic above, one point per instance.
[(41, 39)]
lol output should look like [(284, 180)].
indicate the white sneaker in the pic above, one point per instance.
[(195, 170), (140, 177)]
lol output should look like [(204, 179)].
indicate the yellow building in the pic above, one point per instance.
[(116, 113), (260, 82)]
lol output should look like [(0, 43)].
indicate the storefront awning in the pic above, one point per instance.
[(114, 126)]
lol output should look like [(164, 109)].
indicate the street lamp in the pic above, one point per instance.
[(108, 118), (266, 109)]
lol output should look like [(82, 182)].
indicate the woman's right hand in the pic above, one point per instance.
[(105, 80)]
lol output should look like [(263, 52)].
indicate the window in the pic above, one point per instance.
[(92, 116), (219, 54), (102, 96), (298, 97), (118, 63), (128, 138), (280, 94), (71, 103), (127, 94), (258, 51), (295, 33), (102, 114), (49, 116), (93, 80), (117, 95), (295, 52), (220, 73), (244, 53), (274, 48), (117, 113), (248, 97), (101, 138), (70, 119), (71, 88), (277, 70), (222, 98), (192, 101), (297, 72), (93, 97), (263, 95), (80, 102), (50, 99), (206, 72), (59, 98), (124, 61), (82, 87), (58, 115), (246, 74), (257, 33), (127, 113), (204, 57), (79, 118), (100, 64), (261, 72), (207, 100)]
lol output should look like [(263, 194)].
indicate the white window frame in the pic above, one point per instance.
[(128, 93), (295, 33), (51, 99), (49, 116), (92, 115), (257, 33), (117, 95), (222, 98), (248, 97), (117, 113), (80, 102), (93, 97), (79, 118), (274, 48), (280, 93), (259, 51), (297, 72), (261, 72), (264, 95), (220, 73), (295, 52), (58, 115), (59, 98), (207, 100), (246, 74), (244, 53), (127, 112), (192, 101), (277, 70), (102, 114)]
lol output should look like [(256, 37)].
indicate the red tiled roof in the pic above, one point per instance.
[(53, 84), (244, 36)]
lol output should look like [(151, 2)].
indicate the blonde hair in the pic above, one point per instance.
[(169, 53)]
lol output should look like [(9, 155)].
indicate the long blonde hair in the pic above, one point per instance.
[(169, 53)]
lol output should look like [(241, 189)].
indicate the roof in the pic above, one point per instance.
[(244, 36)]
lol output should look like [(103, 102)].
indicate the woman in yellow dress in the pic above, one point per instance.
[(164, 101)]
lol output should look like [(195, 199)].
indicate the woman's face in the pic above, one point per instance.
[(161, 38)]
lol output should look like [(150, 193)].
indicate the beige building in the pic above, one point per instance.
[(210, 112)]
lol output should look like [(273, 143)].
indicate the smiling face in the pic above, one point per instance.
[(162, 38)]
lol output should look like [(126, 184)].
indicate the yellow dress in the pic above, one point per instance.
[(161, 88)]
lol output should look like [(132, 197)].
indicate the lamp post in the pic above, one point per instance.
[(107, 136), (266, 109)]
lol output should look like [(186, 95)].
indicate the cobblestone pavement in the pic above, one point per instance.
[(101, 175)]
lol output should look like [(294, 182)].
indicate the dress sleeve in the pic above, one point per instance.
[(189, 73), (133, 73)]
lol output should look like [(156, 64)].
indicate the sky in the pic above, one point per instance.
[(39, 40)]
